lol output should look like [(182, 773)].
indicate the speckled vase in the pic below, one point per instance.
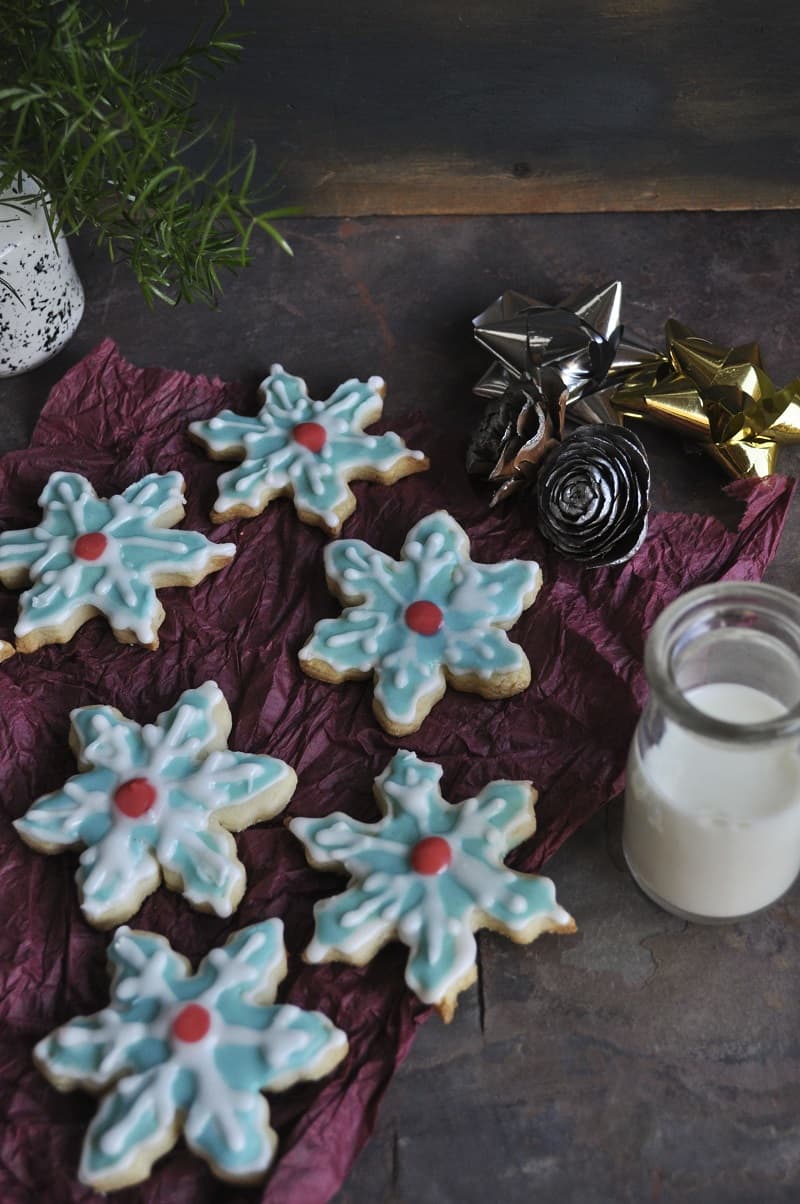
[(44, 314)]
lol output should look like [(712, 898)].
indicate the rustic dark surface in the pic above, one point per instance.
[(464, 106), (642, 1059)]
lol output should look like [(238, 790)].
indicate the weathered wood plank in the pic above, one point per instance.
[(434, 186), (468, 107)]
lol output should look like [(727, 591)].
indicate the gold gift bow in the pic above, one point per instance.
[(720, 396)]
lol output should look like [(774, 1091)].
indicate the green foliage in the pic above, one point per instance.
[(114, 142)]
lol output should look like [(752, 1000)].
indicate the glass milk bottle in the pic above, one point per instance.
[(712, 799)]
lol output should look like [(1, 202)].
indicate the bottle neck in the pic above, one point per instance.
[(723, 662)]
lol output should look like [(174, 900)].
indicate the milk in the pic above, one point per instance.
[(712, 829)]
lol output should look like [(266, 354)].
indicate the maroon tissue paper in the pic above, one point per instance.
[(568, 733)]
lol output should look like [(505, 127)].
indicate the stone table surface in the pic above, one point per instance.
[(643, 1058)]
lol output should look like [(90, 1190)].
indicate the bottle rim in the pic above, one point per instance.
[(769, 601)]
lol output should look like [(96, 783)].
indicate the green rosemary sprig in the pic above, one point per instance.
[(115, 142)]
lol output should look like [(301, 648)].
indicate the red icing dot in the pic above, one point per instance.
[(191, 1023), (431, 855), (134, 797), (424, 617), (90, 546), (310, 435)]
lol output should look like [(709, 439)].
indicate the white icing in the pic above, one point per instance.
[(413, 797), (470, 595), (342, 842), (253, 484)]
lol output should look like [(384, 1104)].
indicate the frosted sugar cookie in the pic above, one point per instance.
[(307, 449), (160, 798), (91, 556), (176, 1052), (416, 624), (428, 874)]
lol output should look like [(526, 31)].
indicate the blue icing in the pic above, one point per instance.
[(119, 581), (207, 1081), (433, 956), (308, 1035), (433, 913), (373, 635), (136, 1114), (84, 1060), (275, 462), (192, 784), (254, 1150)]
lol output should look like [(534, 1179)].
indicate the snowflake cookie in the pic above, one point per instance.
[(309, 449), (161, 798), (416, 624), (180, 1052), (428, 874), (6, 650), (92, 555)]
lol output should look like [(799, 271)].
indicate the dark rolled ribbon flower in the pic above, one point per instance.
[(593, 496), (516, 432)]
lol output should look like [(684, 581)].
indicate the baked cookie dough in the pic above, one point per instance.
[(176, 1052), (156, 799), (90, 556), (306, 449), (429, 874), (417, 624)]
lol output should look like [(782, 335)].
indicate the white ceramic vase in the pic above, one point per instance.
[(41, 310)]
